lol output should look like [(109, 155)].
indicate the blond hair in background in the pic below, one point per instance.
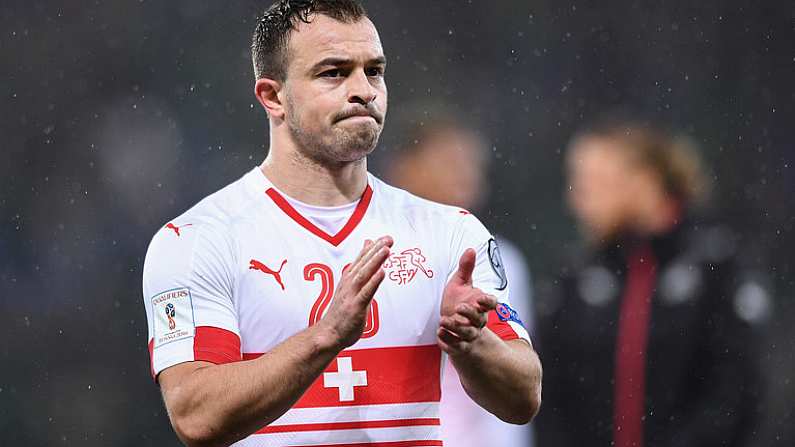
[(674, 157)]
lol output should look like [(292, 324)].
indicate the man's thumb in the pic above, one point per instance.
[(465, 266)]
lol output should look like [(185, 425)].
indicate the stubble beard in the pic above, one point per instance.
[(341, 144)]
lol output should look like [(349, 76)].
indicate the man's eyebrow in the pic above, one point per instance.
[(333, 61), (337, 61)]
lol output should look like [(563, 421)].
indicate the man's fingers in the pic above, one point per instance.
[(460, 326), (365, 248), (487, 302), (362, 278), (364, 254), (373, 264), (369, 288), (475, 317), (448, 337), (449, 342), (368, 252), (466, 265)]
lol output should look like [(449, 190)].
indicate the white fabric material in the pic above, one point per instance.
[(342, 437), (352, 414), (330, 219)]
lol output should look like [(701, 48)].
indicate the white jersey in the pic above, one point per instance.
[(243, 270)]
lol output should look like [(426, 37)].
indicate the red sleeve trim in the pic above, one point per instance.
[(216, 345), (151, 358), (501, 328), (211, 344)]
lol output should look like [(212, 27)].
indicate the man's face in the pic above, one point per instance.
[(335, 94), (600, 186)]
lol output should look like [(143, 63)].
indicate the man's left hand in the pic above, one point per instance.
[(464, 310)]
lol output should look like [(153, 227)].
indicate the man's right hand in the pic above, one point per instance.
[(347, 314)]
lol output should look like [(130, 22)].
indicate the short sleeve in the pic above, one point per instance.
[(188, 280), (489, 276)]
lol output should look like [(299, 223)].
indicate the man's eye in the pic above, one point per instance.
[(330, 73), (375, 71)]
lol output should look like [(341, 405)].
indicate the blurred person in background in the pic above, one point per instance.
[(440, 157), (653, 339)]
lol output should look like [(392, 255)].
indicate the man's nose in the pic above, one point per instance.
[(360, 90)]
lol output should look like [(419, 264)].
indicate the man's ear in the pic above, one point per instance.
[(267, 92)]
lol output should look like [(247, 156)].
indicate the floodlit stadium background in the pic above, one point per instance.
[(118, 115)]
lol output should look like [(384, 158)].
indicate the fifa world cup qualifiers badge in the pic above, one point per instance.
[(173, 316), (496, 264)]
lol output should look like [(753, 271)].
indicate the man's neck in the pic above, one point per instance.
[(314, 183)]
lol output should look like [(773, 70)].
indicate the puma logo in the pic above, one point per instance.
[(277, 275), (171, 226)]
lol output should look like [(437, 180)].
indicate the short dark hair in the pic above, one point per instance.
[(271, 35)]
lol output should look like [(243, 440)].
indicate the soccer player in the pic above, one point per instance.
[(309, 303)]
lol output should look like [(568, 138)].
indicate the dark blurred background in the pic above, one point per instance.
[(119, 115)]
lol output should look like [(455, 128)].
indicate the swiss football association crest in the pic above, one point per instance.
[(403, 267)]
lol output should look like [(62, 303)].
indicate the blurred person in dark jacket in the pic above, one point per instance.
[(440, 157), (651, 340)]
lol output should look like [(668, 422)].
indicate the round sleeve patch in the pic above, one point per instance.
[(496, 264), (506, 313)]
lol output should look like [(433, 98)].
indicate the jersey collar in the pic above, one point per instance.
[(345, 231)]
